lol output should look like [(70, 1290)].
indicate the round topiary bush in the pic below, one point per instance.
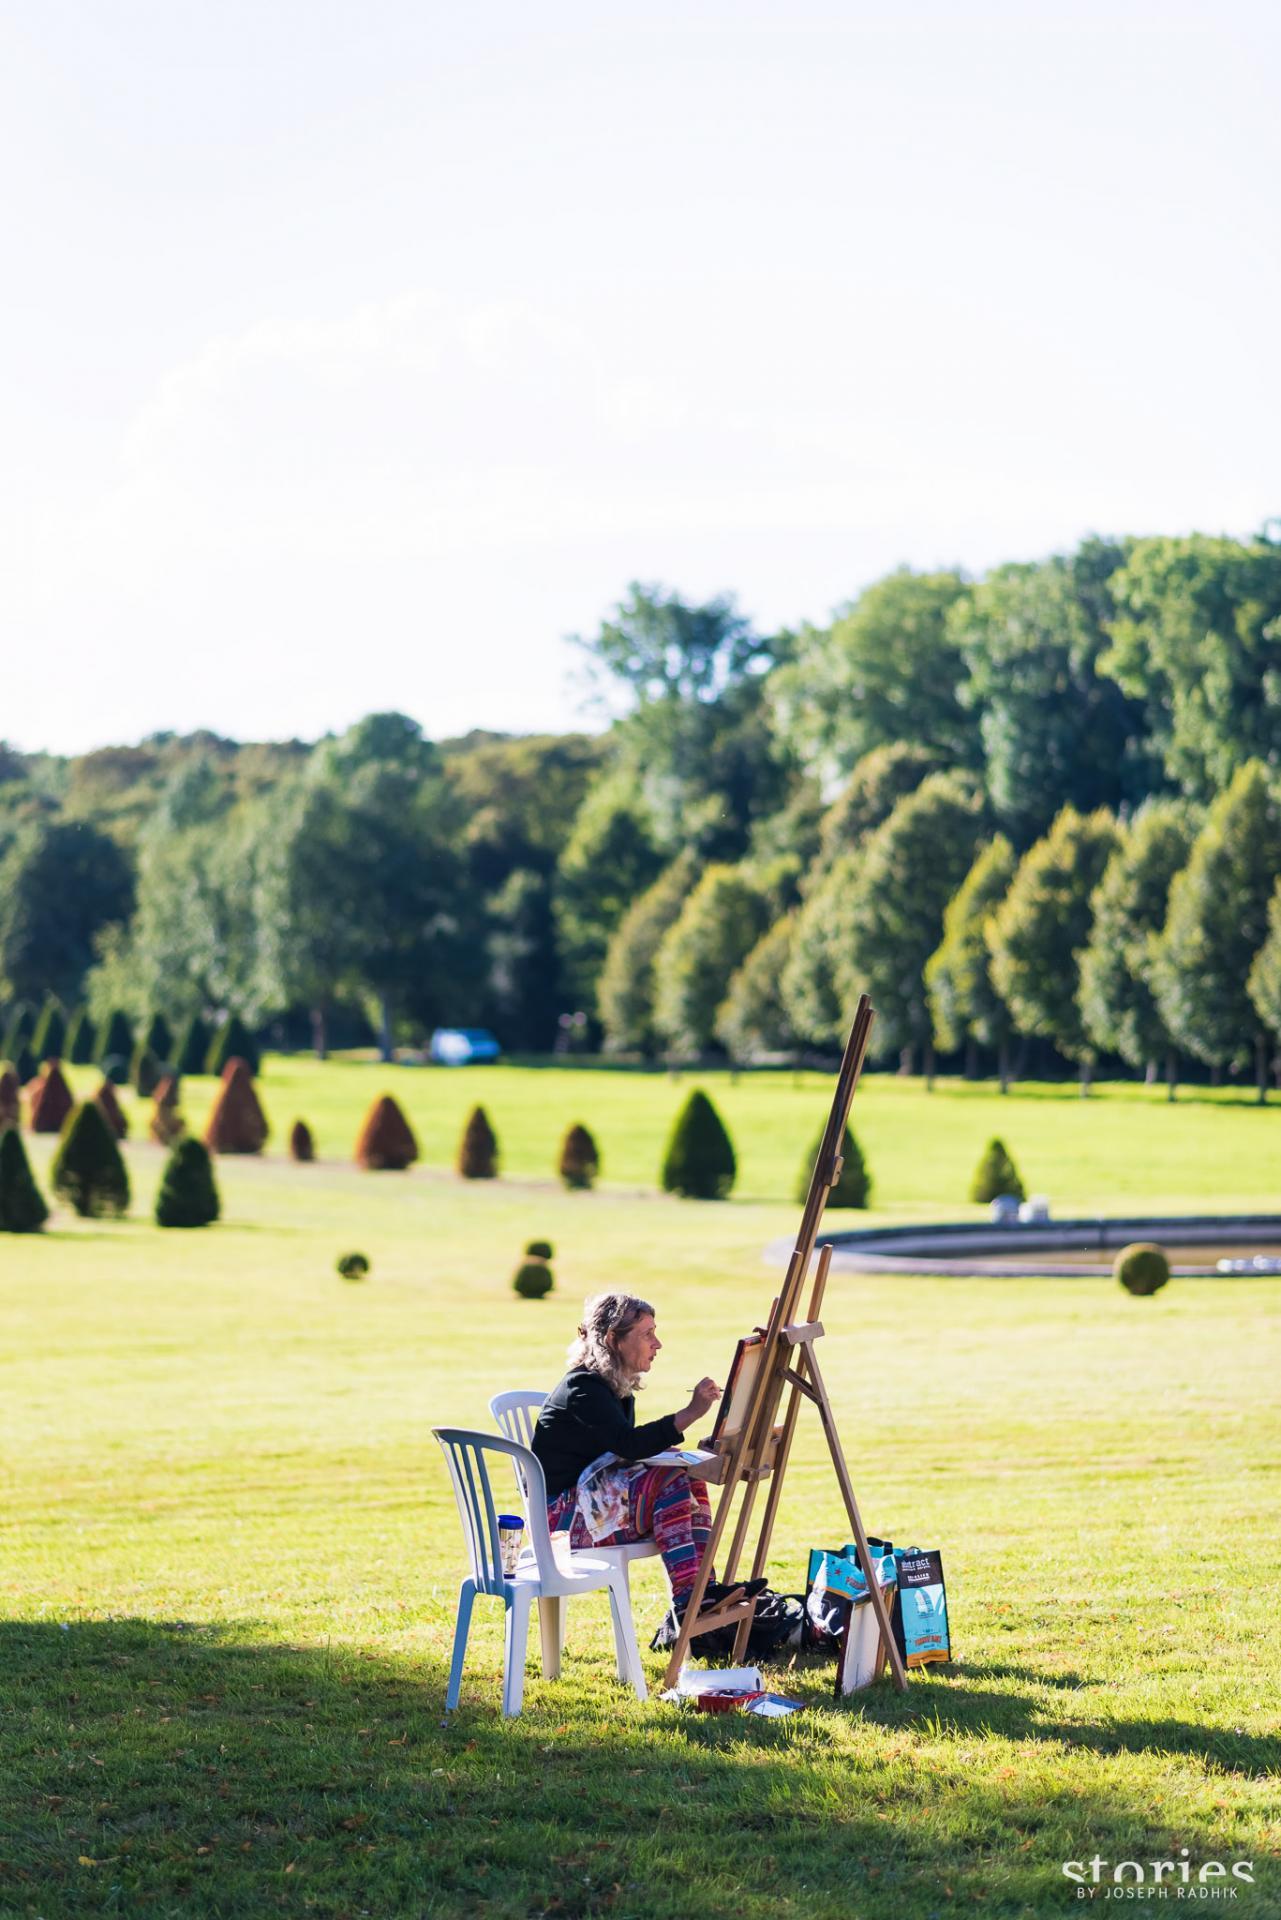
[(996, 1174), (386, 1141), (533, 1279), (539, 1250), (187, 1196), (237, 1123), (853, 1189), (353, 1266), (302, 1147), (87, 1171), (579, 1163), (1142, 1268), (22, 1206), (111, 1110), (51, 1100), (699, 1163), (478, 1148)]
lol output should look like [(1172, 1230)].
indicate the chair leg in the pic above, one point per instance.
[(624, 1573), (466, 1596), (551, 1627), (514, 1642), (629, 1660)]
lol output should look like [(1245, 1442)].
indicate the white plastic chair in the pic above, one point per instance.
[(538, 1577), (516, 1414)]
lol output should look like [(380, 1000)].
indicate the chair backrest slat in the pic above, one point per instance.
[(516, 1413), (465, 1453)]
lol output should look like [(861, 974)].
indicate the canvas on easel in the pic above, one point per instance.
[(753, 1446), (740, 1388)]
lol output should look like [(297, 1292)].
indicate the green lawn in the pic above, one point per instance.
[(229, 1557)]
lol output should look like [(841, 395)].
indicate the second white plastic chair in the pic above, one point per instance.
[(515, 1414)]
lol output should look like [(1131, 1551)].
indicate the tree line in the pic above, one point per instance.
[(1037, 807)]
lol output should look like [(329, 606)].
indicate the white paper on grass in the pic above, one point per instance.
[(719, 1680)]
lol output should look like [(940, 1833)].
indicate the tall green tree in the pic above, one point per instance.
[(965, 1007), (1216, 924), (625, 992), (888, 669), (1196, 636), (694, 732), (811, 998), (610, 859), (62, 883), (524, 991), (717, 928), (1264, 980), (1056, 730), (192, 941), (1041, 927), (881, 779), (360, 889), (1117, 1001), (893, 920), (752, 1019)]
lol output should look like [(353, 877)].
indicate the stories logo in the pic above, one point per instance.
[(1180, 1879)]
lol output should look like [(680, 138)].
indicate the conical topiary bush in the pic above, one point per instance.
[(192, 1047), (10, 1096), (158, 1040), (113, 1048), (50, 1101), (18, 1029), (167, 1124), (237, 1123), (144, 1071), (386, 1142), (233, 1041), (187, 1196), (111, 1110), (302, 1147), (699, 1162), (996, 1174), (853, 1189), (478, 1148), (81, 1038), (88, 1171), (22, 1206), (25, 1064), (579, 1163), (50, 1036)]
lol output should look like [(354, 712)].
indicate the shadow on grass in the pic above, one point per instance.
[(956, 1703), (190, 1771)]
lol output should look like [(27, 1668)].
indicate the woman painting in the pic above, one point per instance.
[(588, 1422)]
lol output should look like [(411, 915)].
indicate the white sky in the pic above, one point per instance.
[(352, 355)]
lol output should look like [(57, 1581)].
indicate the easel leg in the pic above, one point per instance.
[(888, 1645)]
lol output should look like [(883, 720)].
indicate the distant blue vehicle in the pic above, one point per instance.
[(463, 1047)]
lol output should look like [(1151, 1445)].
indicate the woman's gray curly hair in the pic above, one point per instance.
[(606, 1318)]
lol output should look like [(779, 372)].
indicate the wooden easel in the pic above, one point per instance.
[(759, 1449)]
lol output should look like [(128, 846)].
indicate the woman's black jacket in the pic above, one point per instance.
[(582, 1418)]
